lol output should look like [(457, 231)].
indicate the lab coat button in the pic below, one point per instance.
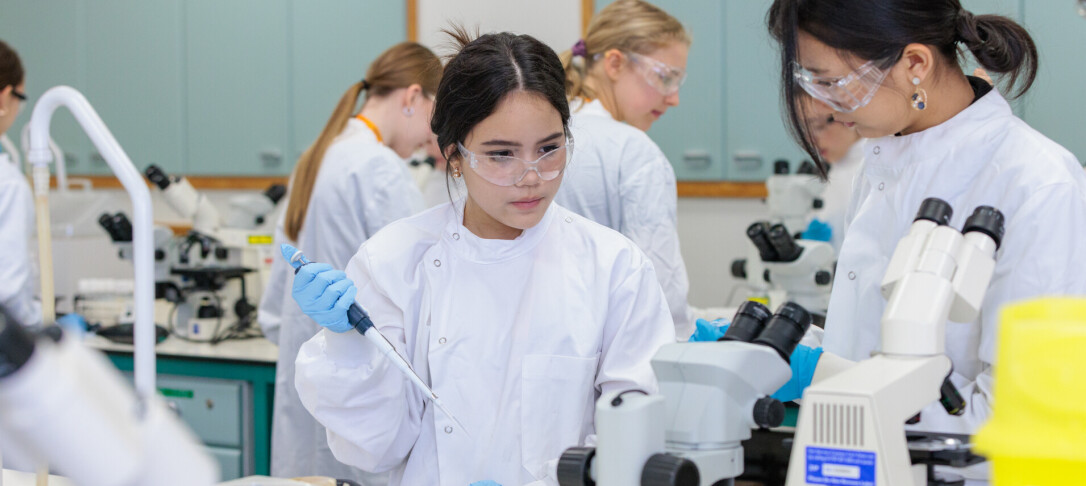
[(456, 236), (441, 341), (876, 150), (882, 185), (448, 429), (437, 263), (852, 275), (569, 219)]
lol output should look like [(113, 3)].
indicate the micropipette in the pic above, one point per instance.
[(360, 320)]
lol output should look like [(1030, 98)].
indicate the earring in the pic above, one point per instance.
[(456, 172), (920, 97), (408, 111)]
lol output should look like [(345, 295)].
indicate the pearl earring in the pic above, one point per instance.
[(408, 111), (920, 97)]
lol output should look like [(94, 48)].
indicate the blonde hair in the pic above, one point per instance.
[(627, 25), (401, 66)]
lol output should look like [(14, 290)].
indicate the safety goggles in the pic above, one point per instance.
[(844, 94), (500, 168), (662, 76)]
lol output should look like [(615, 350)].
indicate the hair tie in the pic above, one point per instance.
[(580, 49), (366, 85)]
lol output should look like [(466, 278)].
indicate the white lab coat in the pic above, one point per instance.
[(518, 337), (835, 198), (16, 226), (361, 187), (982, 156), (620, 178)]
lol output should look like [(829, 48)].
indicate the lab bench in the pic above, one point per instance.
[(224, 392)]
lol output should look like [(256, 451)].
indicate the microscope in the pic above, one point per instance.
[(851, 425), (222, 260), (712, 395), (780, 265)]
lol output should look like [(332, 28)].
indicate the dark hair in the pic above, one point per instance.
[(11, 69), (483, 72), (879, 30)]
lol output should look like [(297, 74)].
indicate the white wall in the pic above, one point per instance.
[(555, 22)]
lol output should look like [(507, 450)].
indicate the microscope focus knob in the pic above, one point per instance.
[(739, 268), (817, 203), (669, 470), (823, 277), (575, 467), (768, 412)]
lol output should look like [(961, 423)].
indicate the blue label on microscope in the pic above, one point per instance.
[(840, 467)]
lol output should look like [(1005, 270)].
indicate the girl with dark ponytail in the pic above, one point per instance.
[(891, 70)]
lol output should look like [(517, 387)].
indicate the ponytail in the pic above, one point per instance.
[(1000, 46), (401, 66)]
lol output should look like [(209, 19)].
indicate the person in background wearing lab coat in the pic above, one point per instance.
[(518, 312), (890, 70), (16, 203), (622, 77), (841, 148), (348, 185)]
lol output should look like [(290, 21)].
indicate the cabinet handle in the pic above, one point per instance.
[(747, 160), (271, 157)]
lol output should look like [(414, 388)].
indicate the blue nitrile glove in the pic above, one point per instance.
[(324, 294), (73, 323), (818, 230), (709, 331), (804, 359), (484, 483)]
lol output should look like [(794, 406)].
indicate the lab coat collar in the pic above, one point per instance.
[(482, 250), (594, 107), (936, 145)]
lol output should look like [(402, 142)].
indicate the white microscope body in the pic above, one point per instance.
[(851, 425), (712, 394), (228, 261), (778, 263)]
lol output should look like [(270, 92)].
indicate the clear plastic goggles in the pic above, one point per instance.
[(503, 169), (844, 94), (662, 76)]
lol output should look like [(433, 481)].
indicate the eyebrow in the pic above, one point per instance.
[(517, 144)]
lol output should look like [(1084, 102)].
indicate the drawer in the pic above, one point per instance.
[(229, 462), (212, 408)]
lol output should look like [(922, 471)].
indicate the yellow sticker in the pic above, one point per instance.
[(260, 239)]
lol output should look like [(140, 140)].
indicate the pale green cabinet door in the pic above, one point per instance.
[(236, 86), (692, 134), (1056, 105), (755, 128), (136, 86), (50, 45), (334, 42)]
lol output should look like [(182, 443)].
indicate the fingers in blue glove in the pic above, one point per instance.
[(709, 331), (331, 295), (803, 360), (307, 273)]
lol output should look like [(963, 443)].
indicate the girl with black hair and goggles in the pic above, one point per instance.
[(891, 70), (517, 312)]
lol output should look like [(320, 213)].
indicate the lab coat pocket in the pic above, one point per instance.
[(556, 409)]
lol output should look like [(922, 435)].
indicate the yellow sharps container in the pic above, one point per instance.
[(1037, 433)]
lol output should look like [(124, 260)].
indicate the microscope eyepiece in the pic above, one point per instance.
[(157, 176), (749, 321), (780, 167), (783, 243), (275, 193), (759, 235), (935, 210), (987, 220), (785, 329), (807, 167)]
